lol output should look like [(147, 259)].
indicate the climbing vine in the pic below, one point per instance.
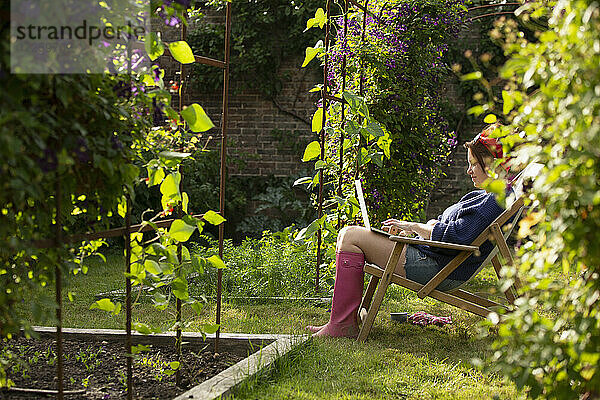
[(396, 138)]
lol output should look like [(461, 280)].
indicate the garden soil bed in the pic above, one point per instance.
[(99, 368)]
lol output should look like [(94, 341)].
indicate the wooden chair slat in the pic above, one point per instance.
[(434, 243)]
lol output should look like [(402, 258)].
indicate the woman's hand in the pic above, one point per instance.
[(397, 227), (406, 228)]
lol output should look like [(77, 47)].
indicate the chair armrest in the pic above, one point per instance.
[(434, 243)]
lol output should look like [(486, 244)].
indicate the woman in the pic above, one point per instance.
[(460, 223)]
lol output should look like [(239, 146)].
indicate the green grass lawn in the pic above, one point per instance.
[(397, 361)]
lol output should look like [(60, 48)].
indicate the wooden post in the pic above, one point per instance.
[(127, 238), (58, 283), (223, 166)]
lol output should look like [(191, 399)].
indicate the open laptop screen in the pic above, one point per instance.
[(363, 209)]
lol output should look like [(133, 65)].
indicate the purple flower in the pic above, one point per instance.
[(169, 20)]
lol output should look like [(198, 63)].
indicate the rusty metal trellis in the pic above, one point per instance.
[(59, 240), (329, 97)]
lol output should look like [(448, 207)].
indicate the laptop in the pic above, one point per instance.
[(363, 210)]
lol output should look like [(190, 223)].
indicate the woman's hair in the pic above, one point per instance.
[(485, 148)]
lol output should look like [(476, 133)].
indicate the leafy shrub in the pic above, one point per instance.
[(264, 34), (252, 204), (553, 101), (393, 136), (403, 61), (270, 266)]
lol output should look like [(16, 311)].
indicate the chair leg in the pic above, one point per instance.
[(368, 297), (497, 267), (380, 291)]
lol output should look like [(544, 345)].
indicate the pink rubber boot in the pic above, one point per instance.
[(347, 294)]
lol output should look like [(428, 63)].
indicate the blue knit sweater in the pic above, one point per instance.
[(461, 223)]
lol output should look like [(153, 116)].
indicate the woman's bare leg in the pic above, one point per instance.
[(376, 248)]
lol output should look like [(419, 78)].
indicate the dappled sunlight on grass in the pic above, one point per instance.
[(398, 360)]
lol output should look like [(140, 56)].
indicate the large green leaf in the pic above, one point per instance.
[(375, 129), (173, 154), (490, 119), (181, 231), (213, 217), (319, 20), (182, 52), (196, 118), (216, 261), (210, 328), (179, 286), (312, 151), (107, 305), (155, 176), (311, 52), (170, 186), (152, 267), (317, 120), (508, 102)]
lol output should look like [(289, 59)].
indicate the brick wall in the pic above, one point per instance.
[(456, 182), (270, 135)]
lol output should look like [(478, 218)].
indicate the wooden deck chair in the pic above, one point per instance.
[(381, 278)]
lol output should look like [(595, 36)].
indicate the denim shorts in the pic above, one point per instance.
[(421, 268)]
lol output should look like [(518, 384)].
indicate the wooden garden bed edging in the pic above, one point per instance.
[(221, 385)]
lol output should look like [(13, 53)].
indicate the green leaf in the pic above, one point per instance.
[(309, 231), (143, 328), (471, 76), (170, 186), (508, 102), (490, 119), (155, 176), (181, 231), (302, 181), (107, 305), (317, 120), (122, 207), (311, 52), (160, 301), (179, 287), (216, 261), (174, 365), (196, 118), (152, 267), (148, 80), (357, 103), (210, 328), (185, 202), (319, 20), (174, 155), (476, 110), (154, 46), (312, 151), (213, 217), (375, 129), (182, 52), (198, 264), (320, 164), (196, 306)]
